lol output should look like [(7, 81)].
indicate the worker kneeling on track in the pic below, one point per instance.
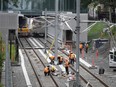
[(52, 59), (47, 71), (71, 76), (53, 69)]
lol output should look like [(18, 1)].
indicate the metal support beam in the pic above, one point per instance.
[(56, 27), (10, 38), (8, 70), (45, 28), (17, 50), (77, 42)]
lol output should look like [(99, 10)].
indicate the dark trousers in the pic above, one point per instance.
[(72, 61), (81, 51), (67, 71), (86, 50), (60, 62), (47, 73), (52, 61)]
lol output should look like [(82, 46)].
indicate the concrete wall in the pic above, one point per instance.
[(8, 21)]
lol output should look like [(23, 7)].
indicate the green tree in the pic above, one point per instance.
[(15, 2)]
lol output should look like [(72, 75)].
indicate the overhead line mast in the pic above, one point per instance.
[(56, 27), (77, 31)]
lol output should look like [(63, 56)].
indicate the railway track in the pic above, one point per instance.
[(34, 70), (45, 83), (93, 80)]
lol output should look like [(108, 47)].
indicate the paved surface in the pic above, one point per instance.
[(109, 76), (101, 61)]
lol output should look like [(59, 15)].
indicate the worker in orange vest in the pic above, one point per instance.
[(67, 64), (60, 59), (47, 70), (72, 58), (69, 56), (52, 59), (80, 47)]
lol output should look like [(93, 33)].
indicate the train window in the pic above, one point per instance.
[(115, 58), (111, 52), (114, 52), (22, 22), (111, 56)]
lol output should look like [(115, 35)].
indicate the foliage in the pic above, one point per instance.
[(13, 52), (107, 3), (97, 31), (1, 85), (15, 2), (85, 3), (2, 55)]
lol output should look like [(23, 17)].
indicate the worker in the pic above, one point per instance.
[(52, 59), (72, 76), (72, 58), (60, 59), (67, 64), (47, 70), (53, 69), (86, 47), (80, 47), (69, 56)]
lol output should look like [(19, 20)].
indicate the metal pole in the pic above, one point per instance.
[(110, 19), (77, 42), (56, 27), (8, 71), (10, 44), (45, 28), (6, 65), (17, 47)]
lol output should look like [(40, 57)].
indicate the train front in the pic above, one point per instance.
[(23, 26)]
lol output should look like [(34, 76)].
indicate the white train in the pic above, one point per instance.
[(112, 58)]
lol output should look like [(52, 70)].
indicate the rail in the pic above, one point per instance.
[(43, 64), (87, 71), (35, 72)]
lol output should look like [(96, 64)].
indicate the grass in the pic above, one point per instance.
[(13, 52), (2, 56), (96, 31), (1, 85)]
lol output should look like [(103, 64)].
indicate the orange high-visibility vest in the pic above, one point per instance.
[(66, 64), (81, 46), (72, 56), (52, 57), (46, 69), (69, 55)]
